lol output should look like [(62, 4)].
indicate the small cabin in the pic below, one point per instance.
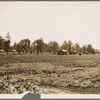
[(13, 50), (86, 52), (73, 52), (62, 52), (1, 50)]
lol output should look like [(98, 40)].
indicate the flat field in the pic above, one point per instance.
[(47, 74)]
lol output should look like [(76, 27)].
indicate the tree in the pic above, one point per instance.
[(24, 45), (45, 47), (64, 45), (38, 45), (19, 48), (14, 46), (8, 36), (69, 46), (84, 49), (53, 47), (73, 47), (2, 42), (31, 49), (7, 43), (77, 47), (90, 49)]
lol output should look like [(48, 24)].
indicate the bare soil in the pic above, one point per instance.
[(51, 73)]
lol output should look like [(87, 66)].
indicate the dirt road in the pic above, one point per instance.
[(53, 90)]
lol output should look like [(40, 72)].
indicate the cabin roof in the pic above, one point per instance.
[(63, 50)]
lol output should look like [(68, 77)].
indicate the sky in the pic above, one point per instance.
[(52, 21)]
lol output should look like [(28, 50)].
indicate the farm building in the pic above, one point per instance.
[(86, 52), (73, 52), (62, 52), (13, 50), (1, 50), (97, 51)]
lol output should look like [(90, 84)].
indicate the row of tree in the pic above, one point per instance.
[(38, 46)]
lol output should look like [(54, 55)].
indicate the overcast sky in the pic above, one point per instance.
[(52, 21)]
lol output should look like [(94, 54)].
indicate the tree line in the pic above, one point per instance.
[(39, 46)]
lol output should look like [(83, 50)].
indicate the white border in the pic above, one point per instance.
[(52, 96)]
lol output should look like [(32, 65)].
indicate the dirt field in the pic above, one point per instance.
[(50, 73)]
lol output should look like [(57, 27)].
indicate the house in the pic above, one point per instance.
[(13, 50), (1, 50), (62, 52), (73, 52)]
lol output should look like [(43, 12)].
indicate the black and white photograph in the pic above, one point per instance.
[(50, 47)]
